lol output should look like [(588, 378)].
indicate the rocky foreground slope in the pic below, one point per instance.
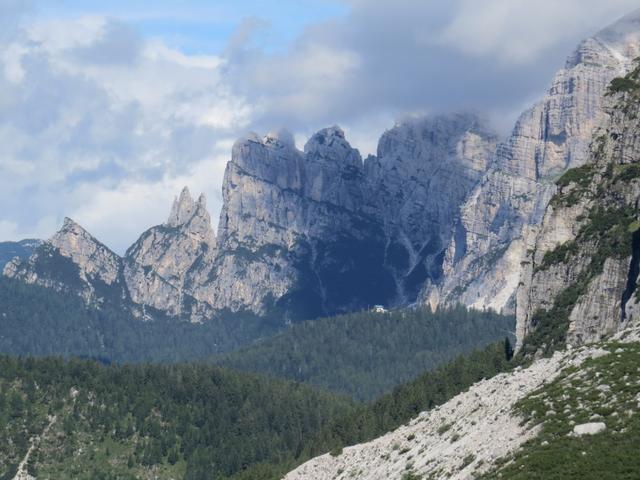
[(498, 422)]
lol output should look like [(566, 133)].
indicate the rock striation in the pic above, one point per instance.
[(423, 172), (337, 233), (163, 265), (485, 253), (581, 271), (302, 233)]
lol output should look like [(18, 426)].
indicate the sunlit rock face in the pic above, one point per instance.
[(161, 268), (486, 250), (587, 247), (72, 260)]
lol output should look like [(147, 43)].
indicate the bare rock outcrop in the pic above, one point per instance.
[(499, 218)]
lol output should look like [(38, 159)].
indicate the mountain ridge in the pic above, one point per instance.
[(444, 213)]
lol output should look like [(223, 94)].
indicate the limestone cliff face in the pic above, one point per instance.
[(485, 254), (164, 264), (293, 234), (152, 280), (423, 172), (441, 214), (318, 231), (582, 269), (301, 233)]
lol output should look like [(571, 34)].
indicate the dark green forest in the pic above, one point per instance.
[(363, 354), (109, 415), (39, 321), (406, 401), (366, 354), (190, 421), (194, 421)]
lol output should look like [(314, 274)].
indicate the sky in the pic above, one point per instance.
[(109, 108)]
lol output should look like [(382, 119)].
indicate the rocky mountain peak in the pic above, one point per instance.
[(71, 226), (182, 209), (192, 215), (611, 47), (499, 219), (432, 138), (72, 257), (282, 138), (623, 35), (72, 239), (330, 144)]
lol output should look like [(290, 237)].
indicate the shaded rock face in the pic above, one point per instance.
[(337, 234), (423, 172), (485, 253), (21, 249), (289, 220), (583, 262)]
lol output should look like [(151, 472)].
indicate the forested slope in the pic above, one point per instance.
[(182, 421), (38, 321), (366, 354)]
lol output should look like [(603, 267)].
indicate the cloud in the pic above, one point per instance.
[(389, 57), (117, 44), (101, 123), (93, 119), (521, 31)]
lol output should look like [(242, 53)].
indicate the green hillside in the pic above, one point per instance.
[(90, 421), (604, 389), (366, 354)]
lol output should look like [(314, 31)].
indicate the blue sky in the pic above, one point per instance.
[(109, 108), (201, 26)]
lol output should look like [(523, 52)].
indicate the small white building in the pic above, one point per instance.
[(379, 309)]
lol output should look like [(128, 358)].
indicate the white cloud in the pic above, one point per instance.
[(118, 215), (106, 126), (389, 57), (521, 30), (88, 131)]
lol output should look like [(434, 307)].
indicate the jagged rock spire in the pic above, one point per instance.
[(182, 209)]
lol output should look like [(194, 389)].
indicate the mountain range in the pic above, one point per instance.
[(446, 218), (444, 213)]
